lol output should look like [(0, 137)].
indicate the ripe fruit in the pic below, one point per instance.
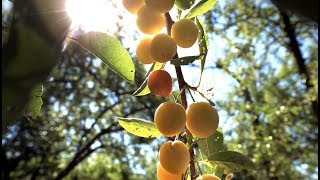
[(132, 5), (208, 177), (161, 6), (143, 51), (184, 32), (174, 157), (162, 174), (149, 21), (163, 48), (160, 83), (170, 118), (202, 119)]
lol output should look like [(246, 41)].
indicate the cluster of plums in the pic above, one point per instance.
[(150, 20), (200, 118)]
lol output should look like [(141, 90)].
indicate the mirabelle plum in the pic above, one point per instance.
[(143, 51), (174, 157), (162, 174), (184, 32), (208, 177), (132, 5), (170, 118), (149, 21), (160, 83), (161, 6), (202, 119), (163, 48)]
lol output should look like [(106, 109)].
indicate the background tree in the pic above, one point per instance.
[(82, 99), (272, 56)]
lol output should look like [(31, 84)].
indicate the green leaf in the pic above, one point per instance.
[(37, 90), (184, 60), (219, 171), (202, 7), (177, 97), (35, 102), (109, 49), (207, 147), (144, 89), (34, 107), (203, 46), (183, 4), (139, 127), (232, 161), (210, 145)]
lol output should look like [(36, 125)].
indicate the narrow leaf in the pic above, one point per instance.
[(139, 127), (202, 7), (232, 161), (144, 89), (109, 49), (203, 46), (184, 60)]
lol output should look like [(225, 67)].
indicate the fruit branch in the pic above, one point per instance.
[(182, 84)]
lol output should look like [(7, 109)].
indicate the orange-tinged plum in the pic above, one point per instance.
[(161, 6), (132, 5), (163, 48), (162, 174), (170, 118), (174, 157), (184, 32), (149, 21), (160, 83), (202, 119), (143, 51), (208, 177)]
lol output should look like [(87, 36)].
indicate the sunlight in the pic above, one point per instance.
[(92, 15)]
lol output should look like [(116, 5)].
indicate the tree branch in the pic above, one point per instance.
[(182, 84), (85, 151)]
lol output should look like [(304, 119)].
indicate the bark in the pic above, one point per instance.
[(293, 46)]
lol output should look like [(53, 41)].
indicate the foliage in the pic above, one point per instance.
[(78, 119), (271, 104)]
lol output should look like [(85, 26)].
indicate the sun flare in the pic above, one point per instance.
[(92, 15)]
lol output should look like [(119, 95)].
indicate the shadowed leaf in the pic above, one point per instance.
[(232, 161)]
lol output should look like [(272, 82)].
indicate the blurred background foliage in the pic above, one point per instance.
[(270, 53)]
